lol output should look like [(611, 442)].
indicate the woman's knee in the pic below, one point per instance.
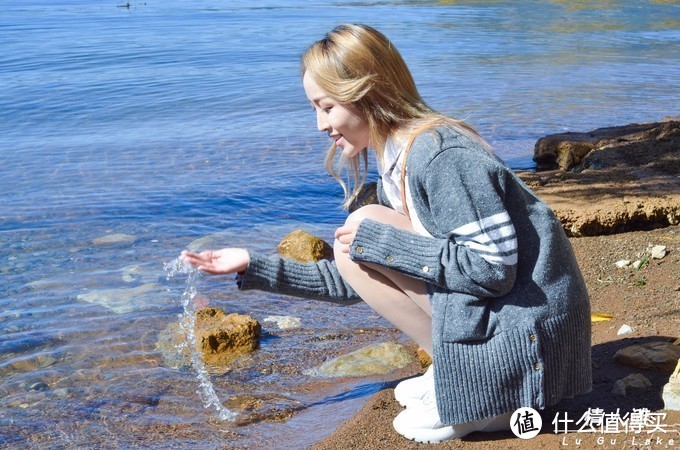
[(380, 214)]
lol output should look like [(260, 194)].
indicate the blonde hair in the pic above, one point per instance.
[(361, 69)]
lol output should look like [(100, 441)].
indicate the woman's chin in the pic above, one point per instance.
[(349, 151)]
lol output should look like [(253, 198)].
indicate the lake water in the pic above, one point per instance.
[(174, 121)]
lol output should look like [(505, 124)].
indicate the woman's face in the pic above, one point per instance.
[(344, 125)]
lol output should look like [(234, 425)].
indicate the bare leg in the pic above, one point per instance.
[(402, 300)]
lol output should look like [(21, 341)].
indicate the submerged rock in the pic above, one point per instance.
[(223, 336), (117, 238), (119, 301), (220, 339), (372, 360), (660, 355), (304, 247), (284, 322)]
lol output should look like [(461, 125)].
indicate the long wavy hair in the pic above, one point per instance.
[(361, 69)]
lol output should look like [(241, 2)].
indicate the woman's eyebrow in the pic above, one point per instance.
[(318, 99)]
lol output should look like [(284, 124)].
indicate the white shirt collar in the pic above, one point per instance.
[(393, 150)]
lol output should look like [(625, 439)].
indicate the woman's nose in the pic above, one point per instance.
[(321, 122)]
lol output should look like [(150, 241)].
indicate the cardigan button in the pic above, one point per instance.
[(360, 250), (532, 337), (426, 269), (390, 258), (537, 366)]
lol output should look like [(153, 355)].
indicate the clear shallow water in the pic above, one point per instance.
[(171, 121)]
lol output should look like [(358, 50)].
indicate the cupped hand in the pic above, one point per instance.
[(218, 262), (345, 235)]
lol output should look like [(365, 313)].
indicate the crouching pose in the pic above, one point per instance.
[(459, 254)]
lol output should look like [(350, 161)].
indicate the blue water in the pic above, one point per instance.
[(172, 121)]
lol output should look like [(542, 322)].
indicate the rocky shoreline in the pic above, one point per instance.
[(617, 193)]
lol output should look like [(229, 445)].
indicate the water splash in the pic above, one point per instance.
[(187, 322)]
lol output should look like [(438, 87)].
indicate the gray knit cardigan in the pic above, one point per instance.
[(510, 310)]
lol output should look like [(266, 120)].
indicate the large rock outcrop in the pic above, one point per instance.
[(619, 179), (566, 151)]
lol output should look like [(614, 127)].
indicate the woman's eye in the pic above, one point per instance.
[(327, 110)]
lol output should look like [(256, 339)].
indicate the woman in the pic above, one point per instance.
[(460, 255)]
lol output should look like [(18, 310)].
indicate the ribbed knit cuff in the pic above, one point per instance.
[(397, 249), (259, 273)]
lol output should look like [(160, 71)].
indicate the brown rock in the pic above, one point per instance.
[(222, 337), (304, 247), (625, 183), (424, 358), (661, 355), (567, 150), (367, 196)]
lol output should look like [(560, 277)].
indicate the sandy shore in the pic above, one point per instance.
[(648, 300)]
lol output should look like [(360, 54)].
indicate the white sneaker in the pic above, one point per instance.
[(421, 423), (413, 391)]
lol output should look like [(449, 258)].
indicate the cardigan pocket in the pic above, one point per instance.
[(464, 318)]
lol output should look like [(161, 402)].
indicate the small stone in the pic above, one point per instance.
[(45, 361), (622, 263), (671, 391), (658, 251), (61, 393), (424, 358), (633, 382), (39, 386), (658, 355), (284, 322), (637, 264), (625, 329)]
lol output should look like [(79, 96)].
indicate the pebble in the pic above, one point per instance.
[(625, 329), (622, 263), (39, 386), (284, 322), (658, 251), (61, 392), (637, 264)]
